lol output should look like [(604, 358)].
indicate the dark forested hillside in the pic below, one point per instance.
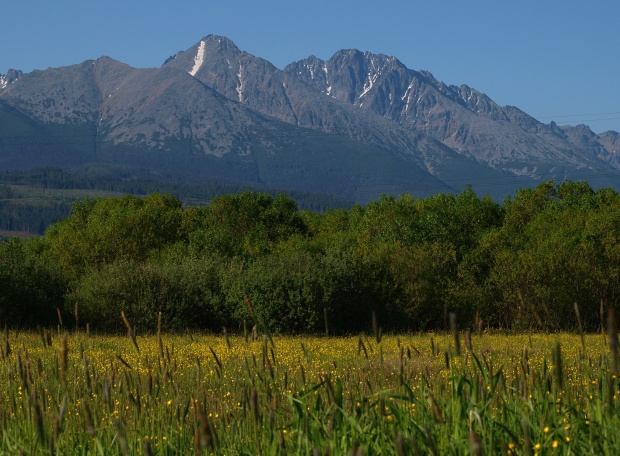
[(31, 200), (411, 261)]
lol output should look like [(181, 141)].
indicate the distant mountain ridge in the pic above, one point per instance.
[(356, 125), (460, 117)]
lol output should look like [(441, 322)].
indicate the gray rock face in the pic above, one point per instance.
[(467, 121), (9, 78)]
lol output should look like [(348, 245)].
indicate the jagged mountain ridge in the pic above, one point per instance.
[(137, 116), (462, 118), (358, 124), (256, 83), (468, 122)]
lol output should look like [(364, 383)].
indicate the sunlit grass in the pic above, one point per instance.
[(407, 394)]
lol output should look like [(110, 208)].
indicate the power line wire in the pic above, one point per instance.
[(577, 115)]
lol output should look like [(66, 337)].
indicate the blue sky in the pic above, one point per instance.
[(556, 60)]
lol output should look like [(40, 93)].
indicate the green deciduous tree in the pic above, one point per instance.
[(101, 231), (247, 223), (30, 291)]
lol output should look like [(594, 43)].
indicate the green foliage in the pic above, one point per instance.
[(101, 231), (185, 290), (30, 290), (286, 292), (556, 247), (247, 223), (409, 260)]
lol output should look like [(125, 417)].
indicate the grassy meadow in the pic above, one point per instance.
[(68, 392)]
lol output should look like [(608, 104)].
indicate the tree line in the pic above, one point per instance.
[(252, 258), (22, 208)]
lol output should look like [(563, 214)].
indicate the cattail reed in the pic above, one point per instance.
[(160, 343), (475, 440), (21, 370), (468, 343), (612, 334), (430, 440), (125, 363), (59, 316), (217, 360), (580, 324), (89, 424), (40, 330), (435, 407), (455, 333), (6, 349), (399, 444), (130, 332), (38, 419), (326, 320), (121, 436), (146, 447), (361, 346), (64, 354), (86, 370), (226, 338), (527, 439), (610, 392), (264, 351), (252, 313), (60, 417), (254, 405), (557, 365), (375, 328), (207, 437), (282, 442), (475, 443), (357, 450)]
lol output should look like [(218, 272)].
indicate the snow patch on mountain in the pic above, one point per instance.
[(329, 87), (373, 75), (199, 59), (408, 94), (9, 78), (241, 84)]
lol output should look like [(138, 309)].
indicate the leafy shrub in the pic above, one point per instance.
[(187, 293), (30, 291)]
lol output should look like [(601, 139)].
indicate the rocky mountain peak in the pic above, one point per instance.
[(221, 42), (9, 78)]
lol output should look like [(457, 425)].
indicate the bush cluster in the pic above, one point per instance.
[(410, 261)]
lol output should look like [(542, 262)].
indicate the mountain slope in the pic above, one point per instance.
[(256, 83), (165, 119), (504, 138), (356, 125)]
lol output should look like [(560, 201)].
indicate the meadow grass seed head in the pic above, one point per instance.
[(64, 357), (455, 333), (612, 334)]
